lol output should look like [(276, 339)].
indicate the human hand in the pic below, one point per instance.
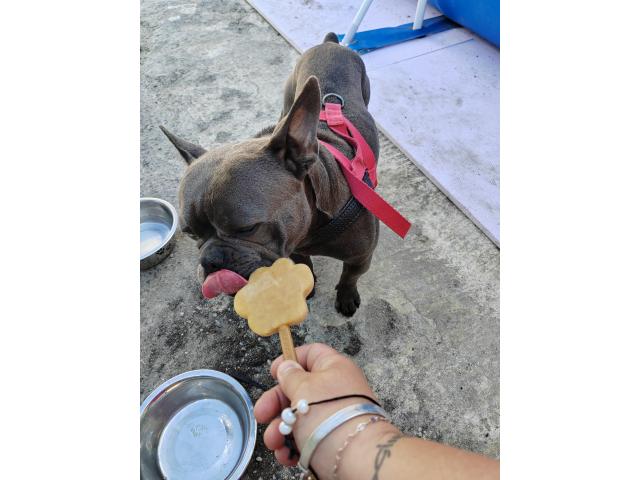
[(321, 374)]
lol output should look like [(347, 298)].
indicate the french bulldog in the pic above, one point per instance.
[(252, 202)]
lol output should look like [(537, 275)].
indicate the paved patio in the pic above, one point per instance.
[(427, 333)]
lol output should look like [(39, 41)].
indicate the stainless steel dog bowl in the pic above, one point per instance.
[(158, 224), (197, 425)]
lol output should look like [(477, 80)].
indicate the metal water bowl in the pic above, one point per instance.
[(158, 224), (197, 425)]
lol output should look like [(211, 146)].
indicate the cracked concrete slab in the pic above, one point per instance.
[(427, 333)]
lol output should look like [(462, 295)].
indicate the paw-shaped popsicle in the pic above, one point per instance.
[(275, 298)]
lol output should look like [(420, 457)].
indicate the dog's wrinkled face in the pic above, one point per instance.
[(247, 203), (248, 211)]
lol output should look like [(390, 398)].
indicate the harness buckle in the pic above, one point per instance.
[(333, 95)]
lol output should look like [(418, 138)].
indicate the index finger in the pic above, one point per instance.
[(308, 356)]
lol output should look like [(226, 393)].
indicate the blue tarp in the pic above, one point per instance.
[(370, 40)]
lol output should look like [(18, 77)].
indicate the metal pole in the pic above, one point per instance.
[(417, 22), (353, 28)]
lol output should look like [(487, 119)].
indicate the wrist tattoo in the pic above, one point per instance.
[(384, 451)]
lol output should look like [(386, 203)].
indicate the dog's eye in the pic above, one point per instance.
[(247, 230)]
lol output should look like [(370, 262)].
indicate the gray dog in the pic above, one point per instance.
[(277, 194)]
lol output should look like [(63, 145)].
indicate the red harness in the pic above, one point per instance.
[(355, 169)]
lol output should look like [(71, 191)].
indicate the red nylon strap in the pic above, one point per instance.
[(354, 170), (364, 158)]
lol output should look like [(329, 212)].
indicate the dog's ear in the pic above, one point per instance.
[(326, 200), (294, 139), (189, 151)]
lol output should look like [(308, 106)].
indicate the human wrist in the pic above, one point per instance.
[(359, 456), (324, 456), (306, 423)]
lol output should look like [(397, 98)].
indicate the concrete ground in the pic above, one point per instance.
[(427, 332)]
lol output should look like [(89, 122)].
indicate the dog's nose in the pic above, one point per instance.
[(212, 259)]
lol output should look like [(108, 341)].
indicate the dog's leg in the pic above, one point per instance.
[(306, 259), (348, 298)]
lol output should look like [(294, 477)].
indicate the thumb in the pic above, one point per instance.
[(290, 376)]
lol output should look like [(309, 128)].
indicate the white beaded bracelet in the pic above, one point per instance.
[(289, 416)]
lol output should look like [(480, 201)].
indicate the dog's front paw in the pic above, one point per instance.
[(347, 300)]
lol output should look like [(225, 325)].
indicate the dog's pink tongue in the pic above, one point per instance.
[(222, 281)]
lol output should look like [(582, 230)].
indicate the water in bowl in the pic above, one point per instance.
[(152, 236), (202, 441)]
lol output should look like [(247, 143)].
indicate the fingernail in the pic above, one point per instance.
[(288, 365)]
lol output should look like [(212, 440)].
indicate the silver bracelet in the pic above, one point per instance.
[(329, 425)]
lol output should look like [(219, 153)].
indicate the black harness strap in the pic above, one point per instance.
[(345, 218)]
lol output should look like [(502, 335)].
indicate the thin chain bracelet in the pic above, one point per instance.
[(359, 428)]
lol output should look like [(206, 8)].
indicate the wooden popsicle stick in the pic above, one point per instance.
[(286, 342)]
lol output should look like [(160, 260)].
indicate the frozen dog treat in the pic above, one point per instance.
[(274, 299), (222, 281)]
